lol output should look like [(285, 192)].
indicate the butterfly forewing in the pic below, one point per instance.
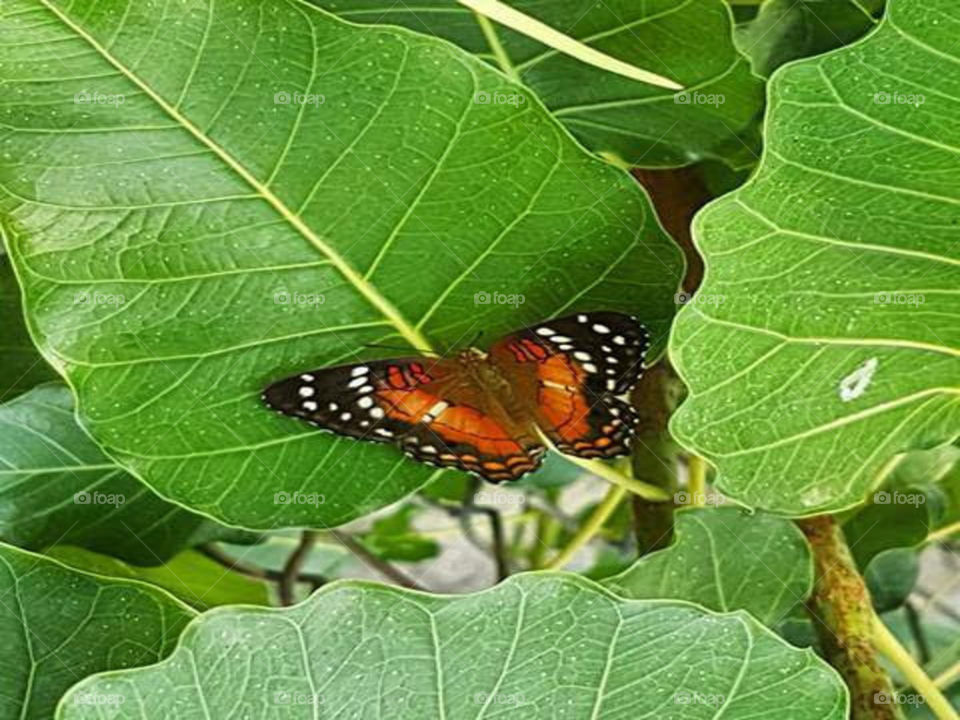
[(582, 363)]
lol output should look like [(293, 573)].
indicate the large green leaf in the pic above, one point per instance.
[(57, 486), (21, 366), (824, 340), (726, 560), (59, 625), (689, 42), (193, 578), (184, 247), (785, 30), (543, 645)]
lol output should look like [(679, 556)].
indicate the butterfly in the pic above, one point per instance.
[(484, 411)]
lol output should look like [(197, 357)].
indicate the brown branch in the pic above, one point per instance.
[(654, 456), (843, 617), (291, 570), (217, 555), (358, 549)]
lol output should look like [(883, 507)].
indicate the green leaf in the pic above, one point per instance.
[(394, 538), (689, 42), (785, 30), (823, 340), (59, 625), (191, 577), (236, 238), (533, 647), (894, 520), (21, 366), (57, 486), (726, 560), (891, 577)]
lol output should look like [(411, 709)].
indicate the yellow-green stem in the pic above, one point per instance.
[(887, 644), (697, 468), (496, 47), (590, 528)]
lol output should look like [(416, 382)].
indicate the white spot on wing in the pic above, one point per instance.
[(305, 391), (359, 370), (856, 383)]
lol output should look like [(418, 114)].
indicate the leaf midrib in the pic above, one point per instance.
[(372, 295)]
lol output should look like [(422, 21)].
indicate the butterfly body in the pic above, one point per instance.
[(486, 412)]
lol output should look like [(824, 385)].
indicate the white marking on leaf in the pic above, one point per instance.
[(856, 383)]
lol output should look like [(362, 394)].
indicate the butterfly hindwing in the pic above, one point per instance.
[(582, 363), (420, 404)]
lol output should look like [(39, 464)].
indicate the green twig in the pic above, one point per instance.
[(591, 527), (887, 643)]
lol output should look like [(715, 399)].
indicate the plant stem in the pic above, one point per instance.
[(887, 643), (697, 467), (291, 571), (533, 28), (611, 474), (945, 532), (255, 571), (843, 617), (655, 456), (946, 678), (358, 549), (490, 34), (591, 527)]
